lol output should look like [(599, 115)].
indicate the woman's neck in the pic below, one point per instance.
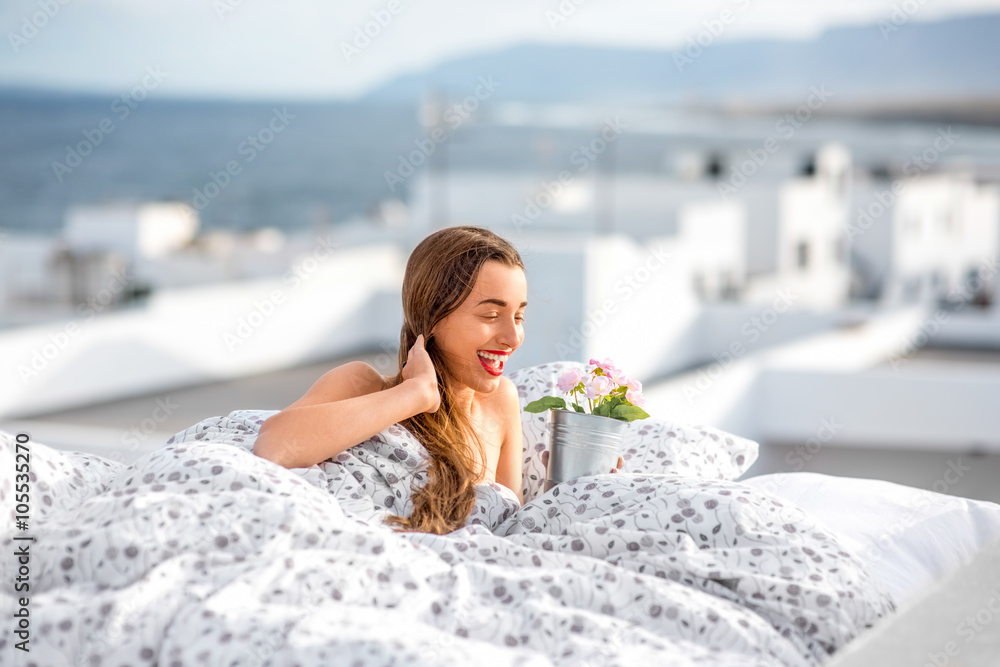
[(466, 401)]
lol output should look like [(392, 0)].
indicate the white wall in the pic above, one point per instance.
[(934, 409), (813, 216), (555, 267), (870, 234), (503, 201), (940, 225), (713, 235), (138, 231), (643, 292), (852, 386), (23, 268), (195, 335)]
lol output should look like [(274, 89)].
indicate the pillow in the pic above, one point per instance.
[(657, 445), (908, 538)]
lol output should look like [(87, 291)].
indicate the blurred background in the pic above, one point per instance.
[(782, 217)]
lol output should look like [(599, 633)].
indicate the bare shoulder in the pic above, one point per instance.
[(509, 390), (510, 401), (355, 378), (367, 378), (510, 467), (387, 381)]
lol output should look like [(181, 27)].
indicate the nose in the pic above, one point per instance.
[(510, 335)]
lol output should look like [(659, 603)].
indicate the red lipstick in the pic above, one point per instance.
[(495, 372)]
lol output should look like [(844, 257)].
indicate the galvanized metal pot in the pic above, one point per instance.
[(582, 444)]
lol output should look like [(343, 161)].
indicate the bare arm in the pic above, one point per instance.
[(510, 465), (345, 407)]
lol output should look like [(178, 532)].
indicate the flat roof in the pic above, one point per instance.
[(963, 358), (103, 428)]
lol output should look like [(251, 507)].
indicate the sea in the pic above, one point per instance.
[(247, 165)]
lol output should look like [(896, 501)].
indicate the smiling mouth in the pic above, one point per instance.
[(493, 363)]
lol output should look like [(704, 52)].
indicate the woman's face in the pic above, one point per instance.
[(489, 322)]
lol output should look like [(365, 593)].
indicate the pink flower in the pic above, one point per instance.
[(597, 386), (635, 398), (634, 385), (569, 379), (605, 366), (617, 376)]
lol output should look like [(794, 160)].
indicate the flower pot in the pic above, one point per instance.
[(582, 444)]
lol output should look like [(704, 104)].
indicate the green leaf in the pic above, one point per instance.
[(577, 407), (545, 403), (627, 412), (603, 410)]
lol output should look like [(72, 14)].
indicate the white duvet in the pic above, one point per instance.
[(201, 553)]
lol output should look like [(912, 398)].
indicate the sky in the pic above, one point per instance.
[(302, 49)]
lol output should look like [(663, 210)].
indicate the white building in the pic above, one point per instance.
[(812, 217), (711, 234), (137, 231), (927, 237), (711, 244)]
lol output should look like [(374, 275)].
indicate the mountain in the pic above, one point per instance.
[(953, 58)]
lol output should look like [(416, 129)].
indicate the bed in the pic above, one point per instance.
[(201, 553)]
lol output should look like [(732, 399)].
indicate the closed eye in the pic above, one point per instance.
[(519, 318)]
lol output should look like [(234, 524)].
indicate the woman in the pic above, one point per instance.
[(465, 288)]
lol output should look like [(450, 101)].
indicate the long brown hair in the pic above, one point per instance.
[(440, 274)]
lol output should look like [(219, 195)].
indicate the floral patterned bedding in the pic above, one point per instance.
[(202, 553)]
